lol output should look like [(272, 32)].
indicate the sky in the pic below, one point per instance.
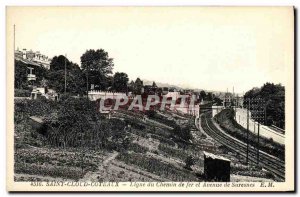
[(193, 47)]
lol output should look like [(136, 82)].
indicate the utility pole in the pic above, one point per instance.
[(14, 41), (15, 51), (258, 114), (65, 73), (87, 81), (248, 104), (258, 143)]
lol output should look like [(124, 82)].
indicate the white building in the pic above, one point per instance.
[(33, 58), (98, 94)]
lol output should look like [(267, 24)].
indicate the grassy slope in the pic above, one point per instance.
[(166, 160)]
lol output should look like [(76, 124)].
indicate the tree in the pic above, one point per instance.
[(20, 75), (209, 96), (131, 86), (59, 63), (274, 97), (74, 123), (154, 85), (138, 85), (96, 66), (74, 76), (183, 132), (120, 81), (202, 95), (218, 101), (21, 71)]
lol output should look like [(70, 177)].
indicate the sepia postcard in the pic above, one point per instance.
[(150, 99)]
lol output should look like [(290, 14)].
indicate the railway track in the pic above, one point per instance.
[(269, 162)]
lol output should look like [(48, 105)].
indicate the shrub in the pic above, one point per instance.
[(22, 93), (189, 162)]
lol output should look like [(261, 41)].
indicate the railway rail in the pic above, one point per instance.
[(268, 162)]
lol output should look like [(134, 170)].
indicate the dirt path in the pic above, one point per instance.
[(110, 158), (93, 176)]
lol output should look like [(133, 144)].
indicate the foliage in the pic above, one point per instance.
[(57, 74), (274, 96), (189, 162), (154, 84), (39, 107), (21, 71), (75, 124), (71, 122), (183, 132), (97, 65), (22, 93), (151, 113), (120, 81), (138, 85), (218, 101), (209, 96), (61, 62), (202, 94), (20, 75)]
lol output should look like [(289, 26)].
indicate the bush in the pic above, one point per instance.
[(22, 93), (189, 162)]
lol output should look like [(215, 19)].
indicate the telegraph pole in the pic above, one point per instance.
[(87, 81), (15, 51), (258, 114), (248, 104), (258, 143), (14, 40), (65, 73)]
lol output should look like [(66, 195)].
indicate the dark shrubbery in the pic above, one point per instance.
[(189, 162), (22, 93), (274, 96), (71, 122)]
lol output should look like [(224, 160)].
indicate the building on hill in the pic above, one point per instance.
[(227, 99), (33, 58), (150, 90)]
